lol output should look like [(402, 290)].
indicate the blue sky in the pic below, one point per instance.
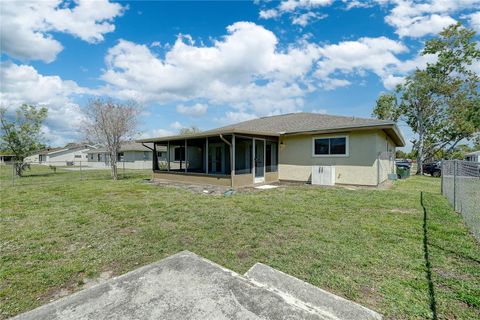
[(212, 63)]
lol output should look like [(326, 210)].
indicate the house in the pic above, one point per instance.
[(473, 156), (71, 154), (132, 155), (291, 147), (6, 157)]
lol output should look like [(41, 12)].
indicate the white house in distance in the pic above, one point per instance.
[(71, 154), (132, 155), (473, 156)]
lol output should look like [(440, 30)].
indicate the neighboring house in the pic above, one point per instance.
[(41, 156), (71, 154), (473, 156), (6, 157), (290, 147), (132, 155)]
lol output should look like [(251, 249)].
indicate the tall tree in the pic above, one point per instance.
[(189, 130), (21, 134), (111, 123), (456, 87), (440, 103)]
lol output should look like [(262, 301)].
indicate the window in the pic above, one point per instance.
[(77, 156), (334, 146), (120, 156)]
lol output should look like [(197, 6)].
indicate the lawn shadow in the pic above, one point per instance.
[(458, 255), (428, 266)]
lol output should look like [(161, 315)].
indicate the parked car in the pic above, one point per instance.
[(402, 163), (434, 169)]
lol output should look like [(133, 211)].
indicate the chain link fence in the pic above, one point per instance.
[(64, 172), (385, 165), (461, 186)]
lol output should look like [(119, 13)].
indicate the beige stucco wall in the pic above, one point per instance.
[(359, 167)]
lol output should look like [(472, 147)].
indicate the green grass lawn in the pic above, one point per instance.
[(366, 245)]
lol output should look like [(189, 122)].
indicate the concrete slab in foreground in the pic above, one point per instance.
[(186, 286)]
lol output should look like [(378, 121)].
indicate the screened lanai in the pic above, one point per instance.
[(230, 159)]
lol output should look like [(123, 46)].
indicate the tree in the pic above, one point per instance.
[(440, 103), (111, 123), (386, 106), (22, 134), (189, 130), (413, 103), (456, 84)]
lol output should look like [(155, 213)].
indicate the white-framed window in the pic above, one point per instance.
[(330, 146)]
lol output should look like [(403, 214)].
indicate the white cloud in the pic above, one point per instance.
[(196, 110), (235, 117), (304, 19), (27, 26), (176, 125), (292, 5), (390, 81), (350, 4), (155, 133), (245, 69), (417, 19), (23, 84), (331, 84), (474, 21), (321, 111), (269, 14), (301, 11), (356, 57)]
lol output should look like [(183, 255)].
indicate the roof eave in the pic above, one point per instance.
[(207, 134)]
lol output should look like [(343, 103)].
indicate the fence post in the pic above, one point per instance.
[(81, 176), (13, 173), (455, 185), (123, 165), (442, 172)]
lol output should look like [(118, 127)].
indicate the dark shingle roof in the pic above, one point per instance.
[(293, 123), (301, 122)]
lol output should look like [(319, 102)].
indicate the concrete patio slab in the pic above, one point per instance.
[(182, 286), (332, 305)]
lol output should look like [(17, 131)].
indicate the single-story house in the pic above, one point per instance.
[(303, 147), (71, 154), (6, 157), (473, 156), (132, 155)]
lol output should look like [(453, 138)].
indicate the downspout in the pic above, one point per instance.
[(231, 159)]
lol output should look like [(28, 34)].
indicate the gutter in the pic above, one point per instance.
[(231, 159)]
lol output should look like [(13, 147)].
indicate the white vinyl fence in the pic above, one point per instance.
[(461, 186)]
